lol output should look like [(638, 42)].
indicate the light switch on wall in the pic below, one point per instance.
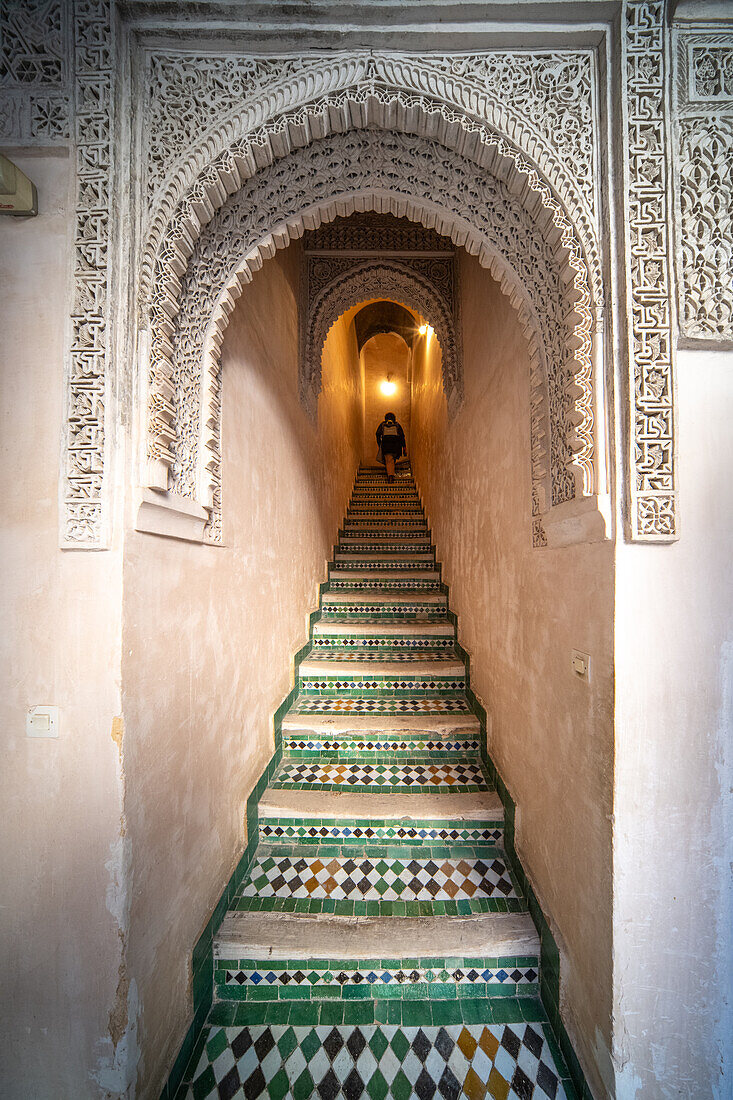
[(580, 664), (42, 722)]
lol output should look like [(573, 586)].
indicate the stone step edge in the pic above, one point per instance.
[(418, 628), (435, 726), (285, 936), (391, 806), (335, 668)]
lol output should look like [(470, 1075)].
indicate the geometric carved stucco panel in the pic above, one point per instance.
[(36, 70), (544, 103), (57, 81), (704, 183), (553, 92), (372, 161), (649, 280)]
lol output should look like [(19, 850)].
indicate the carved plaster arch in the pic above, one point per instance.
[(380, 279), (540, 209), (299, 100)]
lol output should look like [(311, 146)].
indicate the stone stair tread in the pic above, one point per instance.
[(407, 627), (409, 595), (383, 575), (399, 806), (333, 666), (436, 726), (325, 936)]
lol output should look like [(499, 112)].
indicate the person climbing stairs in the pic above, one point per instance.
[(379, 945)]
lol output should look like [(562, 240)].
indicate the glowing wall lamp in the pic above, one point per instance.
[(423, 329), (388, 387)]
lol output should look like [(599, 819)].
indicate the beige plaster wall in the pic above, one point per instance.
[(521, 612), (63, 904), (386, 353), (673, 845), (210, 634)]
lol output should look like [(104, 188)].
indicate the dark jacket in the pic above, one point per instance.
[(400, 444)]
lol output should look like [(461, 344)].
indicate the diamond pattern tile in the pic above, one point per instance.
[(325, 1062), (378, 879), (357, 774)]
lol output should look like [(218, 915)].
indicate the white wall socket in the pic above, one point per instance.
[(42, 722), (580, 664)]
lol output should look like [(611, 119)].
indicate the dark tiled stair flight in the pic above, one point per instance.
[(379, 945)]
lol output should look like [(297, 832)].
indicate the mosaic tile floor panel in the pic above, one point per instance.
[(274, 829), (382, 704), (385, 684), (376, 1062), (361, 878), (393, 975), (412, 641), (349, 745), (447, 653), (414, 776)]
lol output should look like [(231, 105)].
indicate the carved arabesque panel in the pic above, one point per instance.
[(704, 183), (486, 94), (35, 71), (649, 277)]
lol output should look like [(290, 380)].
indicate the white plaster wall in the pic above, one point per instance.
[(65, 994), (673, 839), (521, 613), (210, 634)]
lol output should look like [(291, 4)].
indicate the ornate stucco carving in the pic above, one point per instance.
[(199, 106), (520, 241), (409, 282), (56, 75), (83, 520), (348, 261), (35, 72), (653, 503), (704, 182)]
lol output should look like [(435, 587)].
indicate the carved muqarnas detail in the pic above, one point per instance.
[(356, 282)]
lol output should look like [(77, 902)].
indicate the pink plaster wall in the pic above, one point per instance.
[(521, 612), (62, 856), (210, 634)]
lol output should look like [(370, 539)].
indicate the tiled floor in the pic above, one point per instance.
[(476, 1061)]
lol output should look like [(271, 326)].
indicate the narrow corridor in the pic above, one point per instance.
[(379, 944)]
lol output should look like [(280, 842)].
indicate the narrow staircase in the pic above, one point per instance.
[(379, 945)]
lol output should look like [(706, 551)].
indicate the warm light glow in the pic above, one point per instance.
[(388, 388), (423, 329)]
